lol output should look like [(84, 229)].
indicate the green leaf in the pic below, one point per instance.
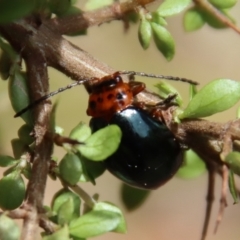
[(193, 19), (144, 33), (158, 19), (7, 48), (133, 198), (94, 223), (213, 21), (95, 4), (6, 161), (9, 230), (102, 143), (172, 7), (217, 96), (121, 228), (12, 191), (73, 2), (10, 170), (59, 7), (232, 187), (59, 130), (76, 238), (42, 6), (61, 234), (53, 127), (63, 196), (192, 91), (193, 166), (66, 212), (5, 64), (223, 3), (70, 168), (163, 40), (233, 159), (18, 147), (15, 9), (19, 94), (72, 10), (91, 170), (81, 132), (24, 134), (166, 89), (27, 171)]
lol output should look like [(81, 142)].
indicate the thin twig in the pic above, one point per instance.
[(216, 13), (223, 200), (47, 225), (16, 213), (75, 23), (84, 195), (210, 199), (38, 85)]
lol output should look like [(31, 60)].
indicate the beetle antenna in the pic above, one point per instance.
[(51, 94), (142, 74)]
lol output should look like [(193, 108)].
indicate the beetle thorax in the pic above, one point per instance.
[(109, 97)]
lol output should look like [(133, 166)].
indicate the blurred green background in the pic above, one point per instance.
[(176, 210)]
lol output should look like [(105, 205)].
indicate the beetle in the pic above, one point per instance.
[(148, 154)]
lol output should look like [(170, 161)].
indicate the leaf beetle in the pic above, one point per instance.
[(149, 154)]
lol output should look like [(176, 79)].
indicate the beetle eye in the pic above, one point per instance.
[(118, 79)]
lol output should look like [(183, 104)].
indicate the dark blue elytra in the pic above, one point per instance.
[(148, 155)]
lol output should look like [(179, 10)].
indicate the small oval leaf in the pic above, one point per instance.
[(121, 228), (144, 33), (223, 3), (5, 64), (60, 234), (163, 40), (102, 143), (12, 191), (24, 134), (15, 9), (91, 170), (27, 171), (133, 198), (59, 7), (19, 95), (6, 161), (94, 223), (193, 19), (18, 147), (81, 132), (192, 167), (214, 22), (171, 7), (66, 212), (232, 187), (63, 196), (217, 96), (233, 159), (158, 19), (70, 168), (166, 89), (192, 91), (9, 230)]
